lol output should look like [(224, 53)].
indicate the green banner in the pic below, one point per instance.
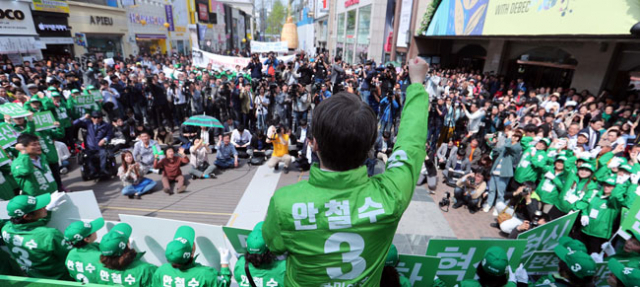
[(237, 237), (8, 135), (44, 121), (14, 110), (4, 158), (602, 272), (459, 258), (545, 237), (97, 95), (420, 270), (85, 101), (632, 219), (542, 262), (15, 281)]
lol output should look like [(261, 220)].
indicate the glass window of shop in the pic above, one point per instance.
[(104, 45), (351, 36), (364, 23), (340, 42)]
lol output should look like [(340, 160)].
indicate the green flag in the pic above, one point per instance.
[(545, 237), (44, 121), (84, 100), (14, 110), (8, 135), (632, 218), (459, 258), (237, 237)]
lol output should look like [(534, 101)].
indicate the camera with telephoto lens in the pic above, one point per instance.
[(536, 217), (446, 200), (526, 190)]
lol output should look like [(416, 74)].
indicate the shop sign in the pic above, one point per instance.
[(80, 39), (203, 12), (16, 19), (350, 3), (55, 6), (101, 20), (168, 13), (150, 20)]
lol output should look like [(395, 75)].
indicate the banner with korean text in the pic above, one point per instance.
[(264, 47), (545, 237)]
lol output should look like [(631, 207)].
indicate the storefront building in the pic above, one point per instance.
[(361, 30), (211, 26), (321, 27), (54, 31), (579, 44), (146, 27), (100, 30), (19, 37)]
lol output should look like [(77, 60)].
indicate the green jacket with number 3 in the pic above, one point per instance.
[(334, 225), (602, 211)]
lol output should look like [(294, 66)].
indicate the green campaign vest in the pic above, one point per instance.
[(272, 276), (194, 275), (82, 263)]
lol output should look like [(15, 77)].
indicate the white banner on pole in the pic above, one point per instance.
[(202, 59), (263, 47)]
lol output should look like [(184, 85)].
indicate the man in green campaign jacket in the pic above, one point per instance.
[(40, 251), (263, 266), (31, 168), (8, 266), (82, 260), (120, 264), (599, 214), (532, 162), (338, 226), (182, 270)]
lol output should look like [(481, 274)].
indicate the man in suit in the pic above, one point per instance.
[(593, 130), (301, 133), (472, 152), (458, 164), (445, 152)]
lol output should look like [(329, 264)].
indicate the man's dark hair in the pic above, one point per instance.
[(27, 139), (488, 280), (530, 128), (390, 277), (345, 129), (338, 58), (615, 131), (258, 260), (241, 128), (566, 272)]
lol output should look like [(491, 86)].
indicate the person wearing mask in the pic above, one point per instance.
[(120, 264), (99, 133), (170, 166), (145, 151), (82, 259), (390, 275), (258, 263), (134, 183), (182, 270), (227, 156), (199, 159), (38, 250)]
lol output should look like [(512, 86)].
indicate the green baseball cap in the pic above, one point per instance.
[(580, 263), (572, 244), (116, 241), (495, 261), (91, 87), (392, 256), (80, 230), (51, 88), (255, 243), (561, 158), (180, 249), (626, 167), (55, 94), (628, 275), (546, 141), (75, 91), (634, 233), (610, 181), (35, 99), (587, 166), (25, 204), (258, 226)]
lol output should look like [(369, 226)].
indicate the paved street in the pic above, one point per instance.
[(240, 197)]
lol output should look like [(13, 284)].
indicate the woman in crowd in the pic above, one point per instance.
[(133, 180), (171, 172)]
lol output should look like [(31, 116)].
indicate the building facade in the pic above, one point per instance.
[(19, 41), (147, 32), (99, 30)]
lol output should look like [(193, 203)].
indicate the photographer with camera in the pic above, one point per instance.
[(272, 65), (301, 103), (522, 206), (255, 68), (319, 69), (337, 74), (321, 94), (280, 142), (469, 190), (456, 167)]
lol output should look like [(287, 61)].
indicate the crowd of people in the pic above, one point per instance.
[(527, 154)]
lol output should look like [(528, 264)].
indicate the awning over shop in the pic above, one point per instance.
[(57, 40), (151, 36), (15, 45)]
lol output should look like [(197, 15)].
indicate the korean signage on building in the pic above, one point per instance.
[(148, 20), (16, 19), (168, 12), (56, 6), (203, 12)]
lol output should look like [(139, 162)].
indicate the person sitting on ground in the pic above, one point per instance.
[(187, 133), (163, 136), (121, 261), (383, 146), (183, 270), (469, 190), (171, 171), (241, 138), (280, 141), (390, 275), (133, 181), (301, 133), (199, 159), (227, 156), (38, 250), (259, 144), (522, 206), (445, 152), (472, 151), (99, 134), (456, 166), (83, 259), (145, 152), (263, 265)]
